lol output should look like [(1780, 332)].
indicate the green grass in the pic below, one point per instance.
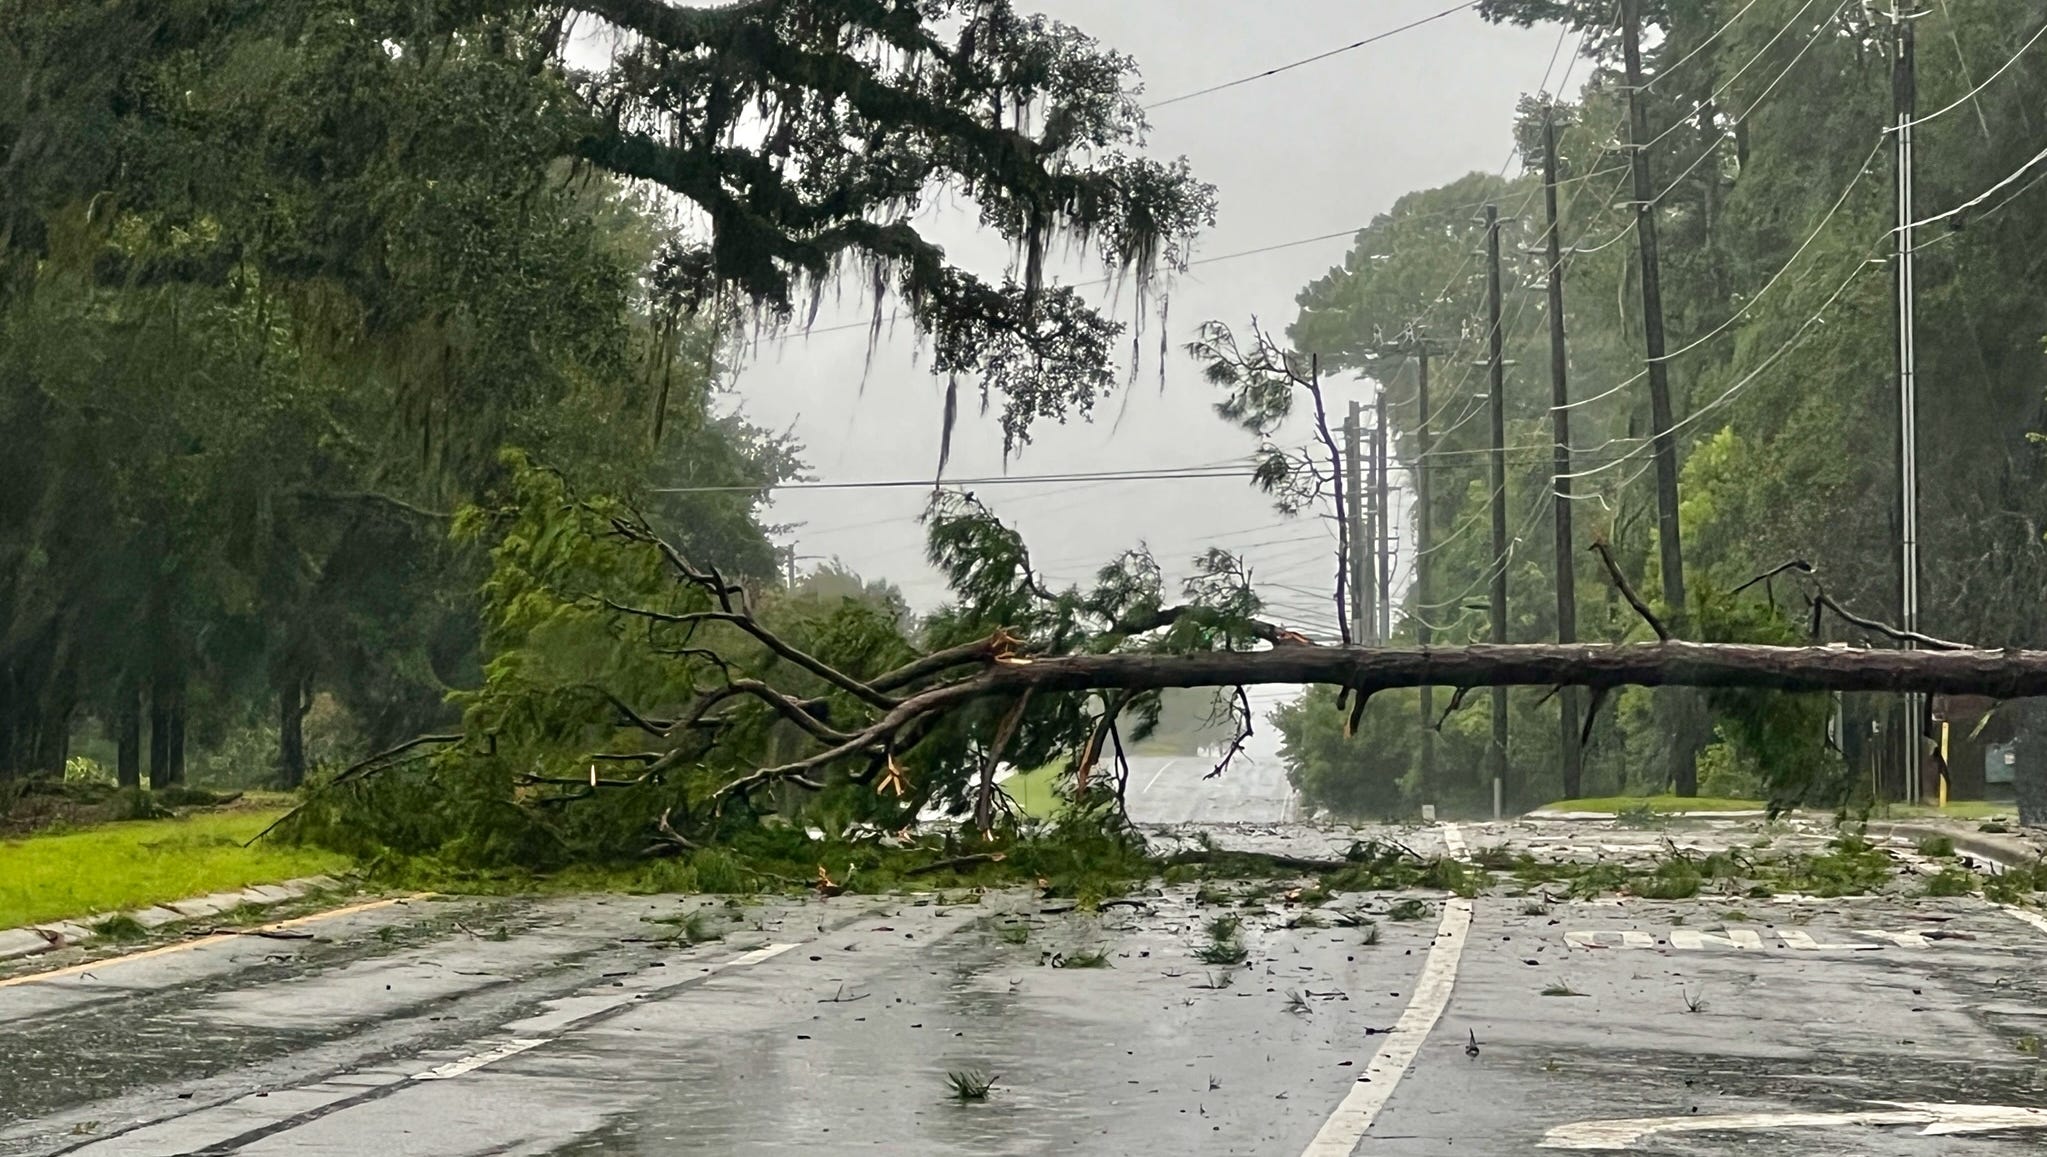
[(1655, 803), (1037, 792), (122, 866), (1961, 809)]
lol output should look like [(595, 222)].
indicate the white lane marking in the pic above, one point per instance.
[(1741, 938), (512, 1048), (1901, 939), (1939, 1120), (2033, 918), (1599, 938), (470, 1064), (1346, 1126), (1155, 775), (1453, 840), (1803, 942)]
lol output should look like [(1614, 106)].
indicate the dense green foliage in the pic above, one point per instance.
[(279, 281), (1774, 204)]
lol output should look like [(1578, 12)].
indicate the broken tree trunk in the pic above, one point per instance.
[(1367, 670), (2008, 674)]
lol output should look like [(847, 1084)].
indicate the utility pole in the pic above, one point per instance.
[(1422, 559), (789, 565), (1560, 424), (1354, 517), (1684, 771), (1904, 100), (1498, 371), (1382, 518)]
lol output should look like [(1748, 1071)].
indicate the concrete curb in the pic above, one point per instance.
[(2003, 850), (1549, 814), (19, 942)]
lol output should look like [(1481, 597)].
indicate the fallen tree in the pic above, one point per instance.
[(639, 701)]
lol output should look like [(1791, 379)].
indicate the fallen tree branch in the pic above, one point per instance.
[(1797, 564), (773, 642), (1243, 704), (654, 727), (984, 816), (939, 662), (1456, 704), (1822, 599), (956, 862), (1167, 616), (1591, 713), (359, 770), (1627, 589), (1280, 862)]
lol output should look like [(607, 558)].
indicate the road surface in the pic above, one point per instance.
[(464, 1028), (1177, 790)]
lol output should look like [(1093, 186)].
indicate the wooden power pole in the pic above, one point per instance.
[(1498, 370), (1560, 424), (1356, 567), (1684, 772), (1382, 518), (1422, 560), (1904, 106)]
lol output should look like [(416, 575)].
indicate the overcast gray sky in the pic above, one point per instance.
[(1317, 150)]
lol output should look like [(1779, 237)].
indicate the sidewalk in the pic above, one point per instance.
[(19, 942)]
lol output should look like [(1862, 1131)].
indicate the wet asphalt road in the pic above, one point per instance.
[(1178, 790), (557, 1026)]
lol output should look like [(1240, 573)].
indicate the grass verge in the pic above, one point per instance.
[(122, 866), (1655, 803), (1037, 792), (1961, 809)]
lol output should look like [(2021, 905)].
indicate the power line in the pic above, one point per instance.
[(1320, 56), (1979, 198), (1155, 475), (1970, 95), (1714, 148), (1702, 45)]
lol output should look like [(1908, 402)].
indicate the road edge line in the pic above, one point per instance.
[(1368, 1095), (517, 1045), (202, 941)]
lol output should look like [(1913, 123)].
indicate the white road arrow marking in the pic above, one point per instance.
[(1939, 1120)]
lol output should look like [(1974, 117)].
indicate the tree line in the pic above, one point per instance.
[(1775, 199), (370, 349)]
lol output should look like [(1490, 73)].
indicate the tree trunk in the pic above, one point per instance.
[(128, 737), (10, 722), (2009, 674), (167, 731), (292, 704), (177, 739), (56, 706), (2029, 771)]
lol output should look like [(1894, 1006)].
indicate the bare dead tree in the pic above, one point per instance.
[(1262, 381)]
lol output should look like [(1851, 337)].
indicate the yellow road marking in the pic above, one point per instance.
[(202, 941)]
